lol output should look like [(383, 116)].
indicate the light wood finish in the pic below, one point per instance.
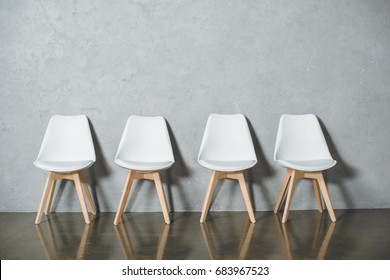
[(290, 193), (325, 195), (209, 194), (245, 194), (161, 196), (87, 193), (218, 175), (49, 184), (283, 190), (153, 176), (50, 198), (318, 195), (125, 195), (291, 177), (81, 189)]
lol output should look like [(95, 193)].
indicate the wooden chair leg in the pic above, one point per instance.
[(245, 194), (45, 197), (50, 198), (209, 195), (87, 193), (161, 196), (124, 197), (289, 196), (325, 195), (79, 190), (283, 190), (318, 196)]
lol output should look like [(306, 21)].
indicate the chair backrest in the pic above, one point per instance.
[(67, 138), (145, 139), (300, 137), (227, 137)]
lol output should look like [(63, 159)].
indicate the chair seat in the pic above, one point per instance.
[(227, 166), (63, 166), (144, 165), (307, 165)]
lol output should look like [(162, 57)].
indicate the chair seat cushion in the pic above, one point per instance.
[(308, 165), (63, 166), (227, 166), (144, 165)]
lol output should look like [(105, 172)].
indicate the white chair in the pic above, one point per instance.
[(227, 149), (301, 148), (145, 149), (67, 148)]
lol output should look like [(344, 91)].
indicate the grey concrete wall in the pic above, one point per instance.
[(184, 60)]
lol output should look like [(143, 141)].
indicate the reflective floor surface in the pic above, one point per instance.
[(357, 235)]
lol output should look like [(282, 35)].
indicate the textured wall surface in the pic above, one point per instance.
[(184, 60)]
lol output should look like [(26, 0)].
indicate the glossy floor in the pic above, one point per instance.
[(358, 234)]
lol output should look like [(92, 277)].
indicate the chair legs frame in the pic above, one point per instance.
[(289, 182), (219, 175), (81, 189), (153, 176)]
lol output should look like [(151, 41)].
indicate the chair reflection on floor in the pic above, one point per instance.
[(126, 244), (243, 245), (50, 243), (318, 248)]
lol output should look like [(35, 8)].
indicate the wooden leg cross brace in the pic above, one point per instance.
[(291, 178), (153, 176), (81, 189), (218, 175)]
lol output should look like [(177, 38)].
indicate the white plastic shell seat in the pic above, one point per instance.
[(227, 149), (67, 148), (302, 149), (144, 149), (145, 145)]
